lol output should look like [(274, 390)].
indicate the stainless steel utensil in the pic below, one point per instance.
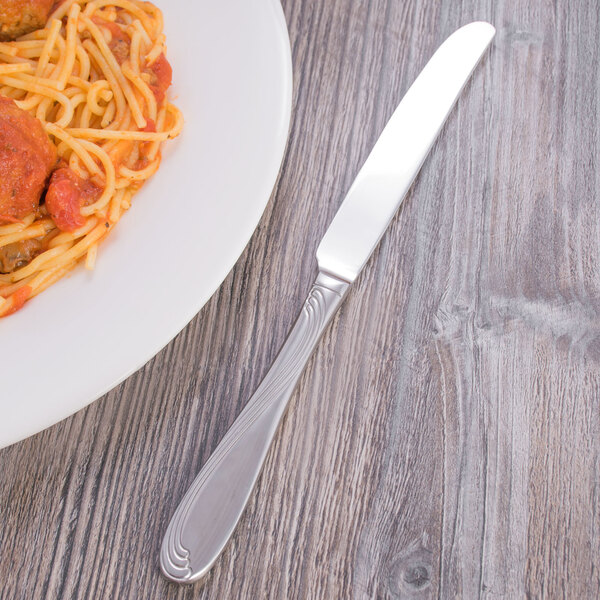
[(211, 508)]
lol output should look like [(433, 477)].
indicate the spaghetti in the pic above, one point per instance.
[(95, 77)]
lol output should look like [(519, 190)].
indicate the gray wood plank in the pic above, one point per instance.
[(444, 439)]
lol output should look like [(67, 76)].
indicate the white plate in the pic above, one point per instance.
[(187, 227)]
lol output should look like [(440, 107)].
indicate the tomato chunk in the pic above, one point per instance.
[(67, 193), (161, 77)]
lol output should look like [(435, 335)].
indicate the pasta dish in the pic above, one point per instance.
[(83, 113)]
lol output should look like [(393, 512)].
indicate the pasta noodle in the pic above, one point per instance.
[(95, 78)]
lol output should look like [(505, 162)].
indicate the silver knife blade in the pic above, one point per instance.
[(396, 158)]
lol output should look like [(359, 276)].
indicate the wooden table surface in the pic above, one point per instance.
[(444, 439)]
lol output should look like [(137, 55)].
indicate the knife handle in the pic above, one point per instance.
[(211, 508)]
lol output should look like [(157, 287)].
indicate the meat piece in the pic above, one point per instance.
[(27, 157), (120, 48), (17, 255), (120, 42), (67, 193), (18, 17)]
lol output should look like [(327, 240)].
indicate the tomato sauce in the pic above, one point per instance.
[(144, 147), (18, 299)]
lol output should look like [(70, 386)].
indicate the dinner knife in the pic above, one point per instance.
[(210, 510)]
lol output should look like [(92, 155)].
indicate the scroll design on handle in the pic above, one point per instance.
[(275, 389)]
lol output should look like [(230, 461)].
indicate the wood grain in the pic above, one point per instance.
[(444, 441)]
